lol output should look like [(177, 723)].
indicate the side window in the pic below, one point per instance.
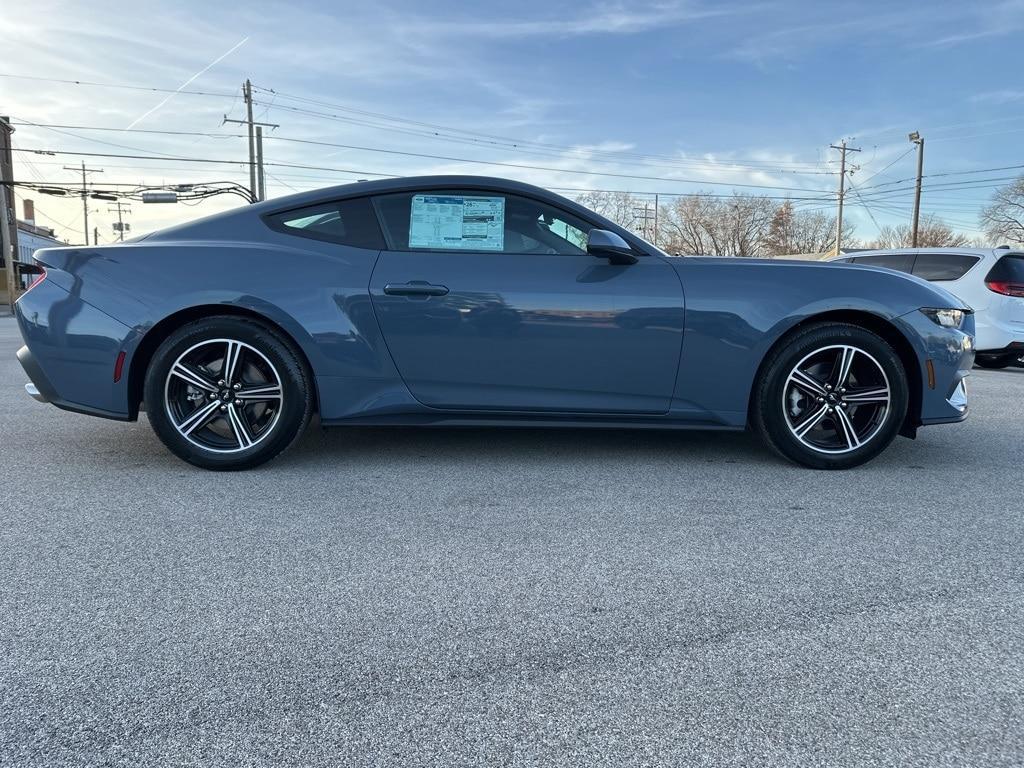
[(901, 262), (479, 221), (346, 222), (943, 266)]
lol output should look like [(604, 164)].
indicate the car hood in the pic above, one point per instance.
[(828, 278)]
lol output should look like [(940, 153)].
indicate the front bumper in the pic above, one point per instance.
[(947, 356)]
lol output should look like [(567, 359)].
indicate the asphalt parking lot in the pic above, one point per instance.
[(401, 597)]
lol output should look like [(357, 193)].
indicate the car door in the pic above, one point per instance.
[(489, 301)]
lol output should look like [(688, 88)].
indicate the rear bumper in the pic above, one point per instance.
[(70, 351), (1014, 348), (996, 334), (40, 389)]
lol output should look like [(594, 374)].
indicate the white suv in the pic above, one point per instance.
[(991, 281)]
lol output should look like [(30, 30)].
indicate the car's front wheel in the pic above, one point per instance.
[(831, 397), (227, 393)]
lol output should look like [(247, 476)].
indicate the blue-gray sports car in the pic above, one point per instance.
[(459, 300)]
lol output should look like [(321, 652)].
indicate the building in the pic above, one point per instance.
[(31, 237)]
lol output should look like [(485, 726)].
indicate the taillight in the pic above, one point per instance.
[(1006, 287)]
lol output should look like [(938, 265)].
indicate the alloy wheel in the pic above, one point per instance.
[(223, 395), (836, 399)]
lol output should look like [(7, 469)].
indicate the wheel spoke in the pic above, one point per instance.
[(236, 417), (231, 358), (844, 361), (224, 395), (846, 429), (193, 376), (199, 418), (810, 422), (807, 383), (867, 395), (259, 393)]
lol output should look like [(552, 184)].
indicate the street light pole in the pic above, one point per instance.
[(915, 138)]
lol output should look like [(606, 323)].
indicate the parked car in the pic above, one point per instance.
[(459, 300), (990, 281)]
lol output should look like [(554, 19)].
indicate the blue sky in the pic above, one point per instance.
[(705, 96)]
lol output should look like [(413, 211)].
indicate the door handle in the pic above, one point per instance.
[(415, 288)]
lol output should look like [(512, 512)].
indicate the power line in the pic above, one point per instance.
[(890, 165), (873, 191), (549, 150), (866, 206), (511, 142), (114, 85), (60, 128), (163, 156), (199, 160)]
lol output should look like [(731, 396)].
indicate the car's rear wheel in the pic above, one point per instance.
[(994, 361), (833, 396), (227, 393)]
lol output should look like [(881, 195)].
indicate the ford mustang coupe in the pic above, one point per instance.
[(460, 300)]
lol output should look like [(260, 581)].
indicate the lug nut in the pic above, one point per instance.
[(223, 408), (236, 385)]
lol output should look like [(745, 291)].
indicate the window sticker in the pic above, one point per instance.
[(460, 222)]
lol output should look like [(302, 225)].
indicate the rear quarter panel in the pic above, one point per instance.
[(315, 291)]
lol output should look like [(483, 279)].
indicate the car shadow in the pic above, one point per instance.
[(555, 444)]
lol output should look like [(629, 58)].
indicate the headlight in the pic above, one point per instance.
[(947, 318)]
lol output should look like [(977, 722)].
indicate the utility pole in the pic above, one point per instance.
[(261, 179), (85, 196), (254, 193), (7, 248), (655, 219), (915, 138), (8, 216), (644, 216), (120, 226), (843, 149), (95, 236)]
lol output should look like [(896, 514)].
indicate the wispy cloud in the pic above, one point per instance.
[(602, 19), (984, 22), (192, 79), (1004, 96)]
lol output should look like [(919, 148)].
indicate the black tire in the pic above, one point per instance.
[(265, 362), (994, 361), (781, 402)]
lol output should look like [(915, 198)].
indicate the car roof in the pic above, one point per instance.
[(982, 252), (400, 184)]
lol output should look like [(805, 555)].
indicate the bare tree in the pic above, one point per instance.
[(620, 207), (1003, 219), (688, 225), (793, 231), (733, 226), (932, 233)]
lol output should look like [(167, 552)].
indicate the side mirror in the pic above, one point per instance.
[(608, 245)]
